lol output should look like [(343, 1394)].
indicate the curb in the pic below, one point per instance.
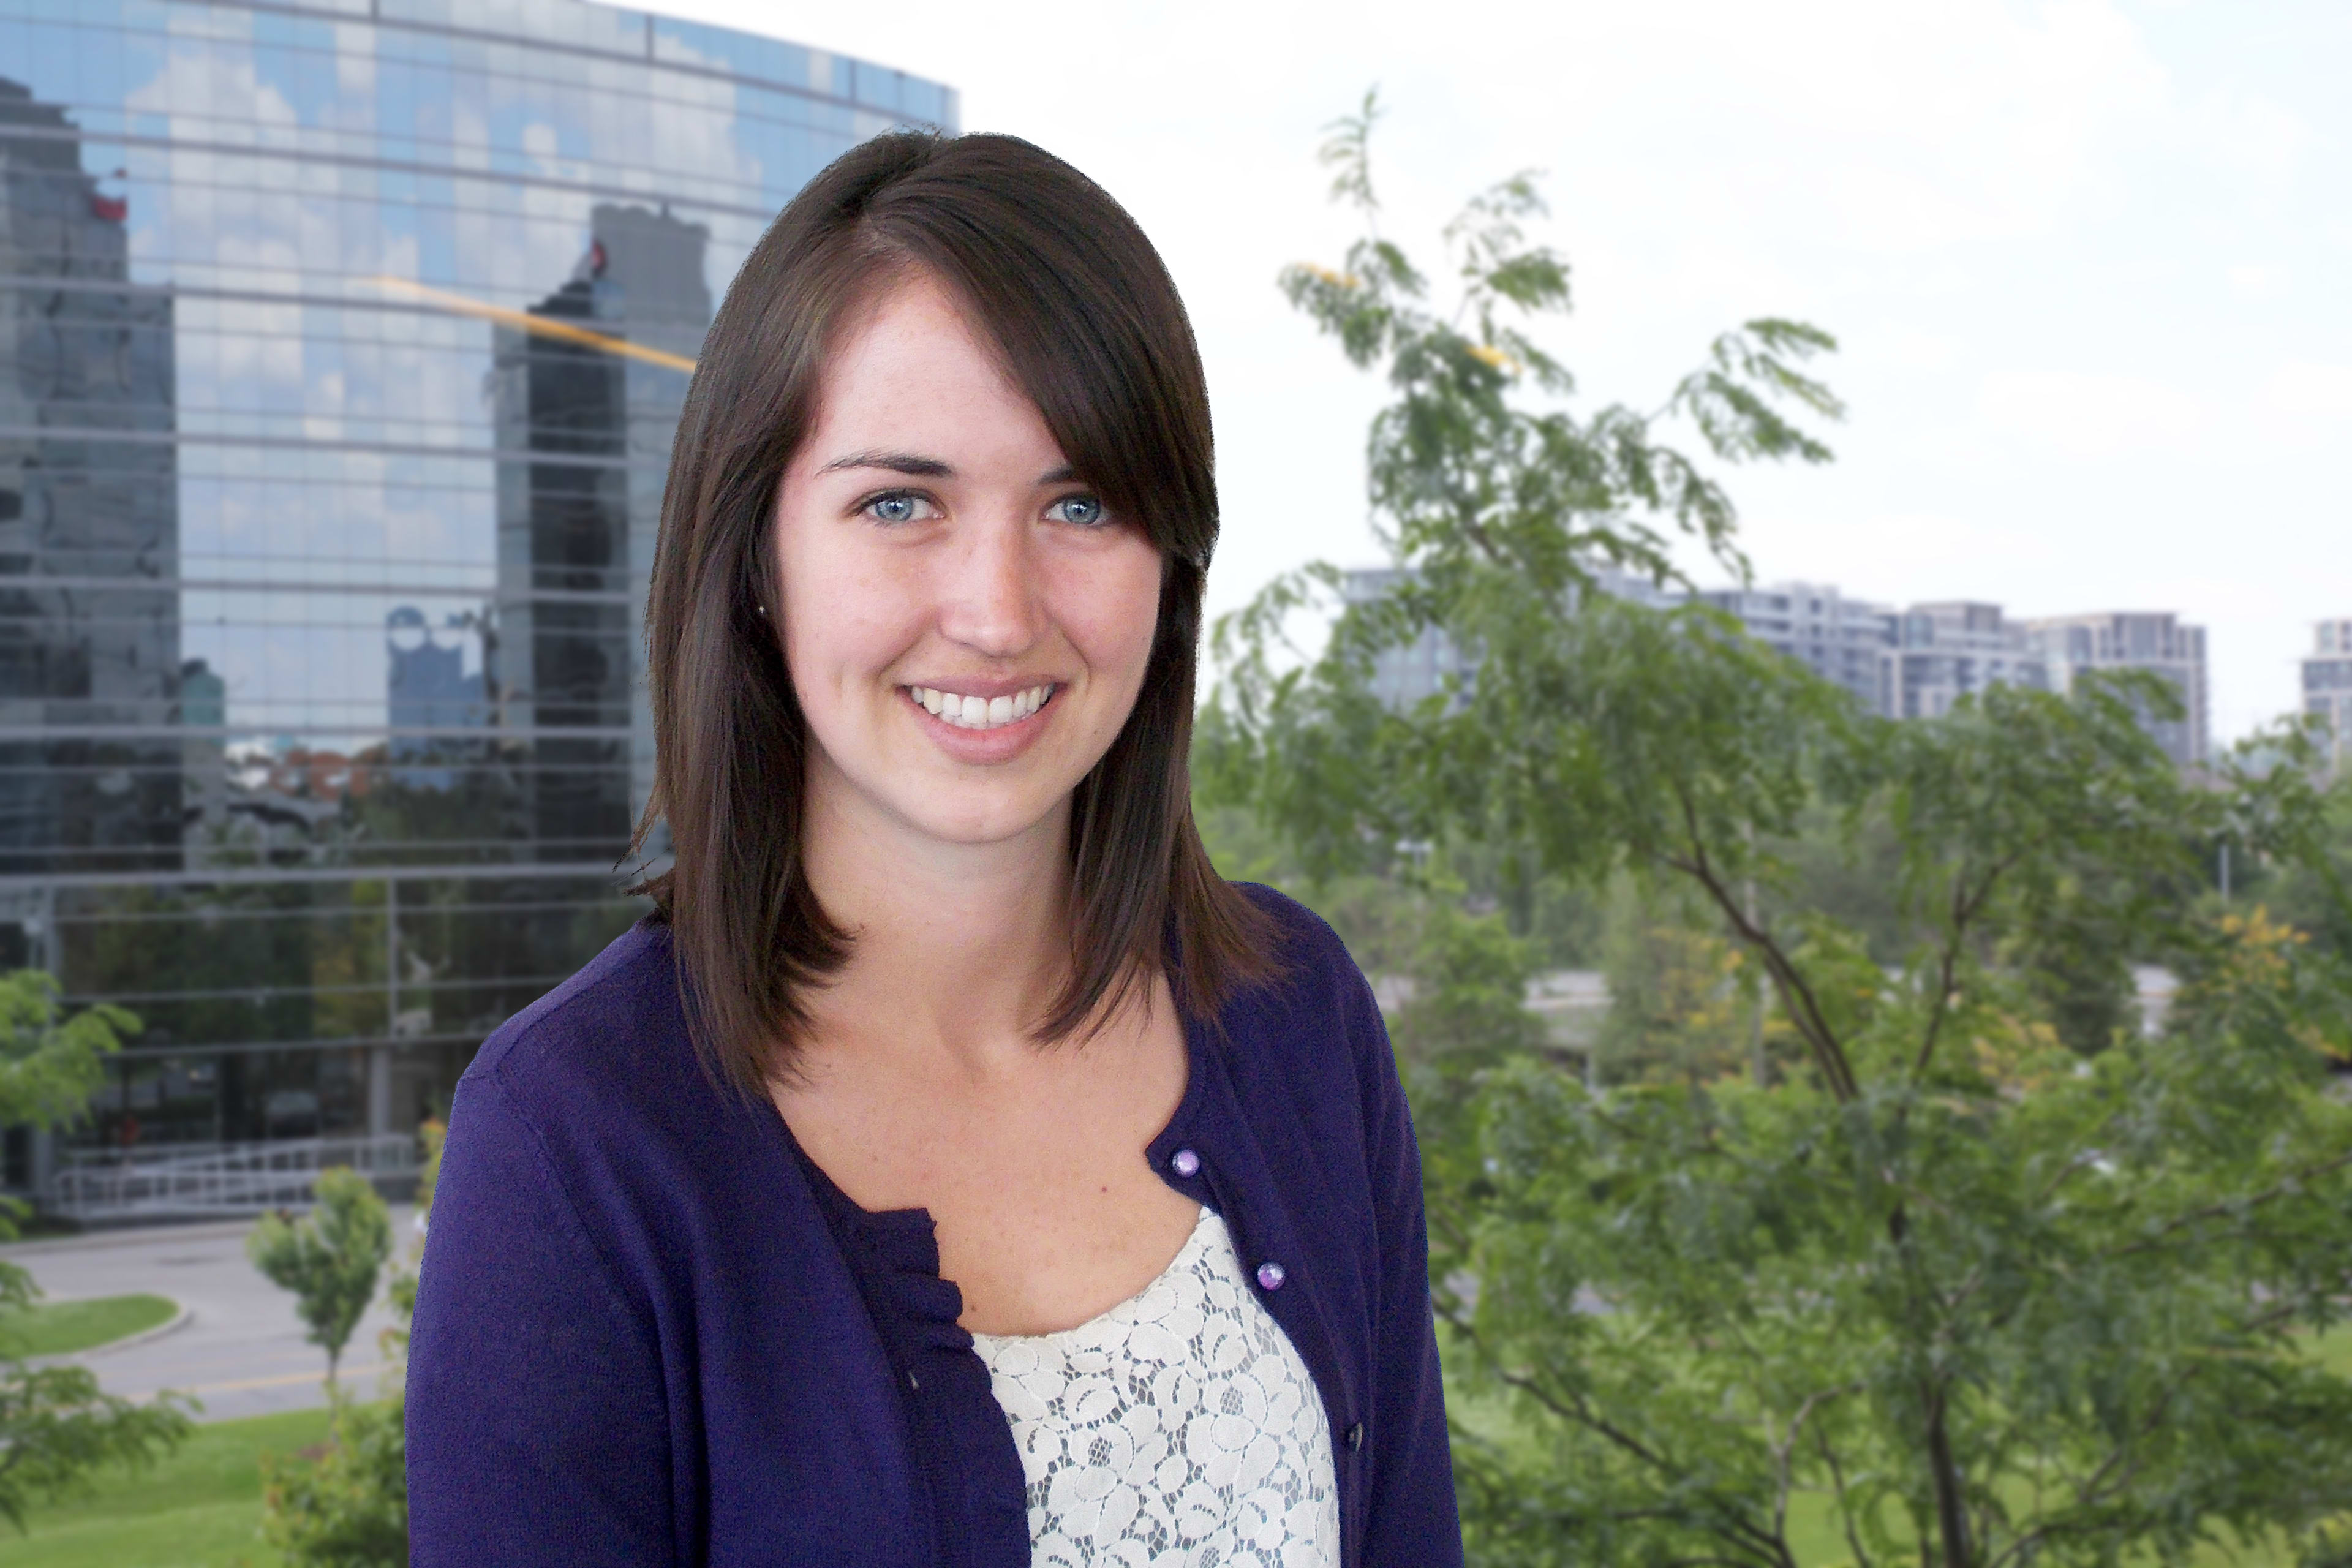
[(179, 1321), (127, 1235)]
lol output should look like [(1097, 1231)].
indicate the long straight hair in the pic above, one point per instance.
[(1090, 327)]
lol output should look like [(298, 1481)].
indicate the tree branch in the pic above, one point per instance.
[(1965, 907), (1726, 1513), (1944, 1471), (1837, 1487), (2278, 1189), (2114, 1473), (1783, 1449), (1796, 996)]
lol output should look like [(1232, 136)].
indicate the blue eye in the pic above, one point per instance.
[(1083, 511), (894, 507)]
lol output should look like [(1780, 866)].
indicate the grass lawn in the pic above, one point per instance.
[(201, 1507), (56, 1328)]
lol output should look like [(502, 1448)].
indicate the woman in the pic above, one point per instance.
[(953, 1169)]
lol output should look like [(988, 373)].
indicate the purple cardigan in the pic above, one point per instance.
[(649, 1331)]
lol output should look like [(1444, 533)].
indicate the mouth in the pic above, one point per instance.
[(969, 713)]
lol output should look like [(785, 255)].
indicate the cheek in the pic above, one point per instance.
[(841, 620), (1112, 612)]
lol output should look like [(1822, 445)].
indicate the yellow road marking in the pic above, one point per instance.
[(281, 1380)]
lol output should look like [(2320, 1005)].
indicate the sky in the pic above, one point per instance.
[(2087, 261)]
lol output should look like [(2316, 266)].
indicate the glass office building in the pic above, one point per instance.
[(341, 344)]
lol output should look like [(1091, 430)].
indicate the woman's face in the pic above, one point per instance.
[(966, 625)]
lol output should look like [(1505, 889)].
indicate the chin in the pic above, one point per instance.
[(976, 823)]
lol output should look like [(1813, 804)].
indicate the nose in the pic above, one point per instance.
[(989, 600)]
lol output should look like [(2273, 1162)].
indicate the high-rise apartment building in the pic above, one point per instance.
[(1433, 662), (1909, 664), (1430, 664), (1915, 663), (2157, 641), (2327, 689), (1942, 652), (1843, 640), (324, 533)]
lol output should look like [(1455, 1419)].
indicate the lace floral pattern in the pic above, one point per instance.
[(1179, 1427)]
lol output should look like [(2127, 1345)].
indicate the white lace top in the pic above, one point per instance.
[(1179, 1427)]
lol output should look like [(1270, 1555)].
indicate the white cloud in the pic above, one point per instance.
[(1899, 557), (1915, 349), (2087, 415), (201, 83), (2248, 136), (2307, 391), (2257, 280)]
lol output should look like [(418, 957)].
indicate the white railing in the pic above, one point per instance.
[(184, 1180)]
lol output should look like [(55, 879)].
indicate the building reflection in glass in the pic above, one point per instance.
[(322, 726), (89, 523)]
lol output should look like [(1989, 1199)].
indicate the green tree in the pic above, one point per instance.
[(1470, 976), (332, 1258), (1682, 1004), (56, 1427), (347, 1507), (1848, 867), (2310, 890), (1997, 1299), (50, 1064)]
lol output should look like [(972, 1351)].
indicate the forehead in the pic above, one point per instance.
[(913, 357)]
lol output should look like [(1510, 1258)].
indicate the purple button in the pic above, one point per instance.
[(1270, 1277), (1186, 1163)]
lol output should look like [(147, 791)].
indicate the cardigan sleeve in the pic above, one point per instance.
[(1413, 1515), (536, 1426)]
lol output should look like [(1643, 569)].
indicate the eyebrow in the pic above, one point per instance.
[(919, 467), (897, 462)]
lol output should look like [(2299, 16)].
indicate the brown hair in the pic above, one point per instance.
[(1090, 327)]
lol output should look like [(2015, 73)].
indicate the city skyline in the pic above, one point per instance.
[(1914, 661)]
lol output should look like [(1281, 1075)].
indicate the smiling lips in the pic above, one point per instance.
[(982, 712)]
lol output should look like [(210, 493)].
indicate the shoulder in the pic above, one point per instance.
[(1293, 919), (617, 1001), (1313, 968), (599, 1078), (1312, 1029)]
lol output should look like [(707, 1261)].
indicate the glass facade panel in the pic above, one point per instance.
[(324, 530)]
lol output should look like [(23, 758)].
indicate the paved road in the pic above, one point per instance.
[(241, 1351)]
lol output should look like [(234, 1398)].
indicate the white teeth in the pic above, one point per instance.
[(980, 712)]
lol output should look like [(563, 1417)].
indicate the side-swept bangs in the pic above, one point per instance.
[(1090, 326)]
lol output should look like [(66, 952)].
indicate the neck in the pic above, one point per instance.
[(957, 948)]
